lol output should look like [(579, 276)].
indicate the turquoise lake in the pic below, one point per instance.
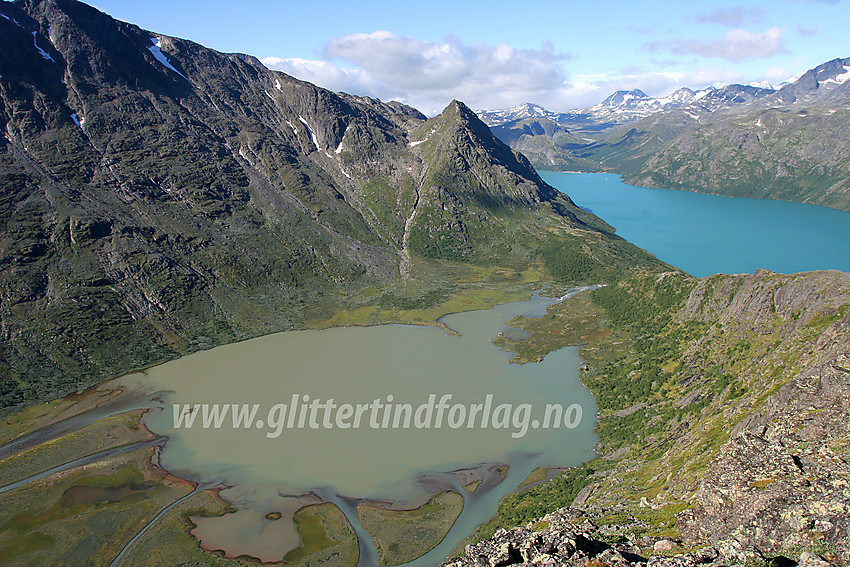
[(708, 234)]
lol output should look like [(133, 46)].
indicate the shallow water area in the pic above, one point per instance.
[(281, 456)]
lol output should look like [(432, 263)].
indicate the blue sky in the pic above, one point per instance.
[(561, 54)]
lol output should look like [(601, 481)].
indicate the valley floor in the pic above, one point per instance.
[(723, 423)]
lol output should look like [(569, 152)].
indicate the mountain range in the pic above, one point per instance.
[(623, 107), (158, 197), (738, 140)]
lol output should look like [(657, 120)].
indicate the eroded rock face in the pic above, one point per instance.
[(783, 481)]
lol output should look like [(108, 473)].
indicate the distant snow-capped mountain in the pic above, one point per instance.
[(628, 106), (623, 107), (729, 96), (761, 85), (826, 81), (561, 140), (521, 112)]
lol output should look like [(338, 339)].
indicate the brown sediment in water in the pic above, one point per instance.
[(255, 492), (206, 528), (437, 324), (165, 475)]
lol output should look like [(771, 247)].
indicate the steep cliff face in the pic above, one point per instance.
[(157, 197)]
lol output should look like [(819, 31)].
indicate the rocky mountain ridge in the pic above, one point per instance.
[(159, 197)]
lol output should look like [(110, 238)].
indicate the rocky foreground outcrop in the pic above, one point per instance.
[(567, 538), (781, 477)]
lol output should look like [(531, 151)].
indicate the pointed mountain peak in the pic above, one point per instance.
[(624, 98), (460, 115), (458, 136), (457, 108)]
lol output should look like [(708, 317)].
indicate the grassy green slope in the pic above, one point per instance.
[(675, 364), (792, 155)]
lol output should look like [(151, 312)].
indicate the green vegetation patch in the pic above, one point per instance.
[(326, 538), (520, 508), (83, 516), (401, 536), (567, 262), (108, 432)]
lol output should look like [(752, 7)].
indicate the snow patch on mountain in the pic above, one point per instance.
[(841, 78), (41, 52), (156, 50), (761, 85), (310, 132), (291, 125)]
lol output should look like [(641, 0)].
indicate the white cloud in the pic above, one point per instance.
[(736, 45), (330, 76), (734, 16), (430, 74)]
